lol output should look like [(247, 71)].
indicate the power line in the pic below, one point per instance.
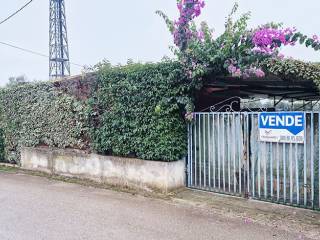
[(16, 12), (33, 52), (23, 49)]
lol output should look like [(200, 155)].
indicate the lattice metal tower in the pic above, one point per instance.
[(59, 64)]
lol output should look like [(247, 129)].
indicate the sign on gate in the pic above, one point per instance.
[(282, 127)]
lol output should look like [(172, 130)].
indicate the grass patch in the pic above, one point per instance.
[(8, 169)]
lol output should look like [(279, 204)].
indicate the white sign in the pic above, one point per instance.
[(282, 127)]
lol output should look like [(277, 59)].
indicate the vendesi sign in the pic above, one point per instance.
[(282, 127)]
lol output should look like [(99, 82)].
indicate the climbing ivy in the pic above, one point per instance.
[(2, 147), (293, 70), (37, 114), (137, 110)]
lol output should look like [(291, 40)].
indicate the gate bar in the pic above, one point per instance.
[(305, 165), (196, 155), (278, 173), (214, 152), (271, 170), (297, 175), (291, 173), (204, 148), (189, 156), (223, 154), (248, 155), (284, 174), (200, 154), (209, 150), (228, 152), (219, 147), (253, 169), (312, 160), (265, 172), (234, 153), (259, 174), (240, 154)]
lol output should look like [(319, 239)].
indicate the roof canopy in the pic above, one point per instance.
[(287, 79), (270, 86)]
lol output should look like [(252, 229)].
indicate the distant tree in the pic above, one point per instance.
[(19, 80)]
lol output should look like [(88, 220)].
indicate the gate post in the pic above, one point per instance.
[(188, 158)]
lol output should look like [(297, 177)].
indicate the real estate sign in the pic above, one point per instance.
[(282, 127)]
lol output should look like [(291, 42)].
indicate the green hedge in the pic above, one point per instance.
[(136, 112), (2, 147), (38, 114)]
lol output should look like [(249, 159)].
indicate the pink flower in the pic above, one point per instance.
[(267, 39), (246, 75), (189, 9), (201, 35), (237, 73), (232, 69), (260, 73)]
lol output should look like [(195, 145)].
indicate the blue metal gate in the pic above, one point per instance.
[(226, 156)]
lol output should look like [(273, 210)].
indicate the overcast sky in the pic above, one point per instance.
[(118, 30)]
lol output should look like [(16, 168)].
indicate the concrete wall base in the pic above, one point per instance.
[(128, 172)]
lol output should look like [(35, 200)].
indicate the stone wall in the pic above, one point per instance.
[(134, 173)]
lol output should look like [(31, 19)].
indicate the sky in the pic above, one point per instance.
[(121, 30)]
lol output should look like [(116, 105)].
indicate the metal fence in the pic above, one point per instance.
[(226, 156)]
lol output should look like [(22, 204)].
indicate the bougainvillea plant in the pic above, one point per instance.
[(189, 10), (239, 51)]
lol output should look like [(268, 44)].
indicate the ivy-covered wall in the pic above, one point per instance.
[(38, 114), (137, 111), (2, 147)]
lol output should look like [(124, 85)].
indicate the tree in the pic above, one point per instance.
[(19, 80)]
